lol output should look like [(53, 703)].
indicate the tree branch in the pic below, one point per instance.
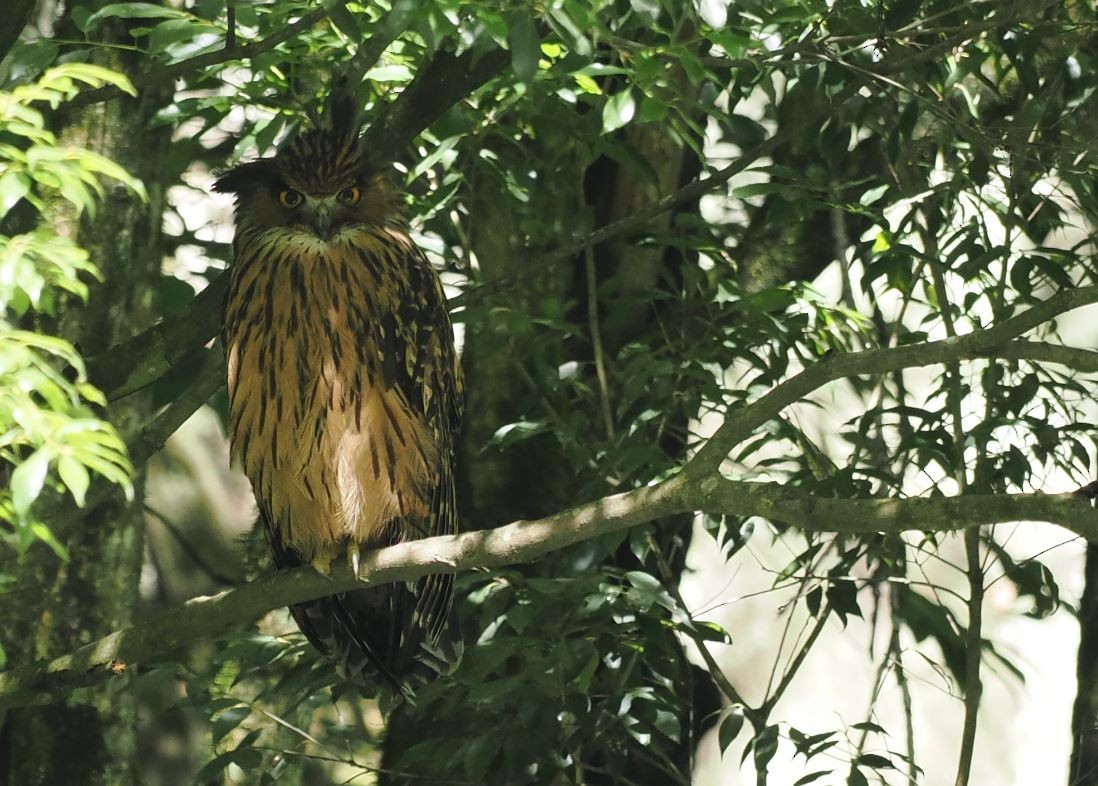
[(439, 85), (203, 617), (525, 541), (18, 14), (160, 75), (979, 344), (893, 516), (141, 360)]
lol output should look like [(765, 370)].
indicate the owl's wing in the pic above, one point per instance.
[(419, 361), (418, 354)]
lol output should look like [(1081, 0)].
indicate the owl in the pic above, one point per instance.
[(345, 392)]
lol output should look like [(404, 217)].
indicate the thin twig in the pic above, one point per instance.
[(795, 665), (596, 341), (366, 768), (726, 687), (973, 655), (974, 571), (905, 688), (189, 549)]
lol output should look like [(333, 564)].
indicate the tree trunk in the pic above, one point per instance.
[(88, 738), (1084, 717)]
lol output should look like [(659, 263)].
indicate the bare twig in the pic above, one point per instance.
[(791, 672), (596, 341), (896, 652), (187, 547), (974, 571), (757, 719), (973, 655)]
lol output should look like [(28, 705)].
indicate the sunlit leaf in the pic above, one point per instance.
[(28, 478)]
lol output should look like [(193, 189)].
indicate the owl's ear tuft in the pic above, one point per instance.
[(247, 177), (342, 112)]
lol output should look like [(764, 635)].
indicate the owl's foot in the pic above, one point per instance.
[(353, 558), (322, 563)]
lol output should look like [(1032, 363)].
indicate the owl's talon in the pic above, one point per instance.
[(323, 565), (353, 559)]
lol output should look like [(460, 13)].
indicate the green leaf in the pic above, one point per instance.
[(14, 185), (856, 778), (869, 726), (479, 754), (511, 433), (131, 11), (525, 45), (345, 21), (649, 9), (44, 534), (762, 189), (31, 57), (730, 726), (75, 477), (495, 24), (842, 596), (875, 761), (618, 111), (872, 195), (766, 745), (225, 677), (569, 31), (227, 720), (27, 480), (745, 132)]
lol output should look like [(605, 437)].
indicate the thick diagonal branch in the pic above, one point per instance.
[(526, 541), (740, 424)]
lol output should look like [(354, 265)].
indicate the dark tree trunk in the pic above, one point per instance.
[(1084, 717), (89, 738)]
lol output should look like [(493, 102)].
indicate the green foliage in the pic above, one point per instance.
[(933, 159), (50, 435)]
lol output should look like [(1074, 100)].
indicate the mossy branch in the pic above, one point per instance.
[(526, 541)]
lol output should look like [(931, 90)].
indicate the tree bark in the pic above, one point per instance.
[(1084, 717), (19, 14), (90, 739)]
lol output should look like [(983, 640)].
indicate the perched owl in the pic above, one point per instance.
[(345, 393)]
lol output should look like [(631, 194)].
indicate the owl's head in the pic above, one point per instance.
[(316, 184)]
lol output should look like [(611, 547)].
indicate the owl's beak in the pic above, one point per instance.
[(322, 221)]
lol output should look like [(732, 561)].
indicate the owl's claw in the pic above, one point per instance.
[(322, 564), (353, 559)]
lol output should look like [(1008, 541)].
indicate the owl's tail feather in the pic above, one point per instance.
[(376, 635)]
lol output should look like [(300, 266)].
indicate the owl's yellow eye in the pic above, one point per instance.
[(290, 198), (350, 196)]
